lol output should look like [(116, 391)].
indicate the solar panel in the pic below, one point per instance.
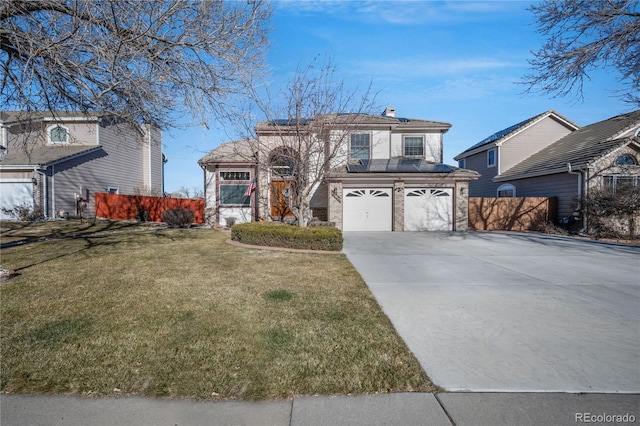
[(398, 165)]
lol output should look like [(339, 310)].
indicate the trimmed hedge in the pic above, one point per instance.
[(282, 235)]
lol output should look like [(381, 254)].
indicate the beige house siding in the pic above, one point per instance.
[(528, 142)]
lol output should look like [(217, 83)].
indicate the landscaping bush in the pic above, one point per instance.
[(25, 213), (178, 218), (289, 236)]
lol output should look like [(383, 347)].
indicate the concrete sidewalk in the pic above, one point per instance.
[(389, 409)]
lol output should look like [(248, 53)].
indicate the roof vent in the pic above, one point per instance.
[(389, 112)]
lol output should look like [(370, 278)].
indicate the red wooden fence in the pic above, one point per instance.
[(512, 213), (129, 207)]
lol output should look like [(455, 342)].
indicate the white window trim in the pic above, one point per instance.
[(370, 144), (54, 126), (495, 160), (506, 187), (404, 138)]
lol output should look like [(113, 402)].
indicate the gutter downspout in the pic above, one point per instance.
[(45, 184), (582, 194)]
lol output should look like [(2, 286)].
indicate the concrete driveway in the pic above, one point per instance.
[(509, 311)]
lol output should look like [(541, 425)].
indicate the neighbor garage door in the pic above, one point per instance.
[(367, 209), (428, 209), (13, 194)]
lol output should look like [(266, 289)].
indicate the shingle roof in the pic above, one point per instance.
[(9, 117), (579, 148), (352, 119), (40, 155), (230, 152)]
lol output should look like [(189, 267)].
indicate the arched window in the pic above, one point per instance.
[(58, 133), (626, 160), (506, 190), (282, 161)]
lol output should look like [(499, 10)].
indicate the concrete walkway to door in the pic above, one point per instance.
[(509, 312)]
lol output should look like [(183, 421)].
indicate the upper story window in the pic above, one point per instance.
[(506, 190), (626, 160), (360, 147), (413, 146), (462, 163), (491, 158), (58, 134)]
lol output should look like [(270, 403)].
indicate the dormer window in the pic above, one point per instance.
[(626, 160), (58, 134)]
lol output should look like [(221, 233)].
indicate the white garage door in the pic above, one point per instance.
[(367, 209), (13, 194), (428, 209)]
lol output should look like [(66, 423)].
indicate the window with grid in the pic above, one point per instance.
[(621, 183), (414, 146), (235, 175), (360, 148), (58, 134)]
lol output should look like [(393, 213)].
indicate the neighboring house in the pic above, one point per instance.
[(391, 178), (55, 163), (528, 159)]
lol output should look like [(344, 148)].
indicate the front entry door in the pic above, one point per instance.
[(280, 199)]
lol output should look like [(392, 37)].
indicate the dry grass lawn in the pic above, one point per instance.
[(179, 313)]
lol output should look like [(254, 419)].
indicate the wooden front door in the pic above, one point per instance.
[(280, 199)]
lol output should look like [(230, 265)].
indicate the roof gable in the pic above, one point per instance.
[(503, 135), (231, 152), (580, 148)]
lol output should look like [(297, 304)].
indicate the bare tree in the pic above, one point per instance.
[(610, 211), (305, 134), (583, 35), (142, 61)]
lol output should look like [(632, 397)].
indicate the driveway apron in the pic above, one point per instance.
[(509, 312)]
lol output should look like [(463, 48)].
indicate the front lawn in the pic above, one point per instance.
[(179, 313)]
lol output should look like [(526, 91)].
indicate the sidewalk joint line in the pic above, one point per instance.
[(446, 413)]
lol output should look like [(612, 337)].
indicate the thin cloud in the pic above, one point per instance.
[(394, 12)]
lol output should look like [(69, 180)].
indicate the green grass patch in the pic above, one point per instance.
[(178, 313), (278, 295), (274, 234)]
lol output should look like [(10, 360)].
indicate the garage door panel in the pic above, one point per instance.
[(428, 209), (13, 194), (367, 209)]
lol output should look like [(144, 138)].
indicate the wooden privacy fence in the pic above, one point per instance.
[(132, 207), (512, 213)]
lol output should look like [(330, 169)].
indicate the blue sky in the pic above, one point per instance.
[(455, 61)]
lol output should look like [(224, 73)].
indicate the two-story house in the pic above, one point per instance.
[(550, 156), (389, 178), (56, 162)]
